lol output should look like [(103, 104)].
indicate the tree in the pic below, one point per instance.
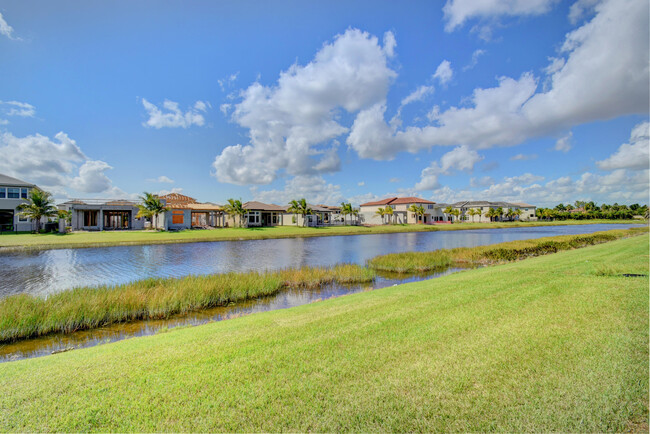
[(234, 207), (449, 210), (346, 209), (40, 204), (491, 213), (418, 210), (456, 213), (389, 212), (510, 214), (472, 213), (300, 207), (151, 207), (381, 212), (354, 212), (499, 213)]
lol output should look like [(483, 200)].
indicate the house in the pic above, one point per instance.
[(527, 211), (401, 214), (185, 212), (322, 215), (13, 192), (103, 214)]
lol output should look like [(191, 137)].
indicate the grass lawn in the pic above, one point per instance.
[(552, 343), (93, 239)]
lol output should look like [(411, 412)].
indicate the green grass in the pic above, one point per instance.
[(544, 344), (23, 316), (414, 262), (93, 239)]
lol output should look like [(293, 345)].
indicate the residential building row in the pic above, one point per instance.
[(185, 212)]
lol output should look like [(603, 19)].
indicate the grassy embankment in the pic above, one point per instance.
[(413, 262), (23, 316), (10, 241), (552, 343)]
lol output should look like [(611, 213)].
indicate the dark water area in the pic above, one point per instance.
[(49, 271), (60, 342)]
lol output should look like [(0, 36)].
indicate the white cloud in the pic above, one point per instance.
[(173, 117), (458, 11), (563, 144), (57, 165), (17, 108), (161, 179), (313, 188), (460, 158), (475, 55), (523, 157), (634, 155), (481, 182), (361, 183), (444, 73), (417, 95), (166, 192), (228, 81), (293, 125), (580, 8), (608, 53), (389, 44), (7, 30)]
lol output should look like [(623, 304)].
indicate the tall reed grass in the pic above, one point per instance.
[(413, 262), (23, 316)]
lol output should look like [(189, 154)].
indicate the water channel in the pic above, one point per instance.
[(45, 272)]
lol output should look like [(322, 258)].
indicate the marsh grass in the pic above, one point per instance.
[(437, 260), (23, 316)]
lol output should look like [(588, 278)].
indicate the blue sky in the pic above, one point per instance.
[(539, 101)]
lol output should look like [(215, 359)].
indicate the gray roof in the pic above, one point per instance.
[(259, 206), (8, 180), (470, 204)]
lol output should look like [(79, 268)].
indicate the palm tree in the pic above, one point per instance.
[(491, 213), (151, 207), (449, 210), (510, 214), (479, 213), (472, 213), (235, 208), (346, 209), (389, 212), (381, 212), (40, 205), (499, 213), (456, 213), (418, 210), (354, 212), (300, 207), (517, 213)]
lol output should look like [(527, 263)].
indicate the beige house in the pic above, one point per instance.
[(464, 207), (185, 213), (401, 214)]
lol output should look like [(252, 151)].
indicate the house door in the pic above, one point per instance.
[(6, 220)]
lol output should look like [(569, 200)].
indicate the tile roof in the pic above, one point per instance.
[(177, 198), (259, 206), (398, 201)]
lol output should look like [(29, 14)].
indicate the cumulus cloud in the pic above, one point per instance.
[(523, 157), (608, 53), (563, 144), (161, 179), (313, 188), (460, 158), (7, 30), (634, 155), (172, 116), (54, 164), (417, 95), (458, 12), (444, 73), (293, 126), (389, 44)]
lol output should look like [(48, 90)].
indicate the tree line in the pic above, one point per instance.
[(583, 210)]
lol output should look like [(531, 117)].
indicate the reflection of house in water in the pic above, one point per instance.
[(103, 214)]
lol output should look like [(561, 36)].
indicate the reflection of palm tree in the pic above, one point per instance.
[(300, 207), (235, 208), (151, 207), (40, 205)]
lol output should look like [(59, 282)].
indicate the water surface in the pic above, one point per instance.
[(49, 271)]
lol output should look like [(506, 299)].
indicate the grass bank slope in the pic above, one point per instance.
[(553, 343), (10, 241)]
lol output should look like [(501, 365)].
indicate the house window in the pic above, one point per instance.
[(525, 209), (3, 193), (23, 193), (13, 193), (254, 217), (90, 218), (430, 207), (21, 217), (178, 217)]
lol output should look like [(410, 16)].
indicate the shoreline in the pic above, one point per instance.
[(31, 242)]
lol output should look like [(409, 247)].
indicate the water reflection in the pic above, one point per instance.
[(50, 271)]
